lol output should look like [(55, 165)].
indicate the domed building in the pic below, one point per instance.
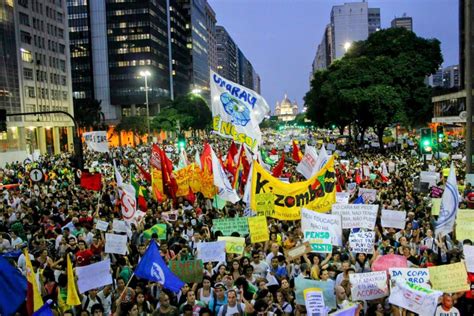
[(285, 110)]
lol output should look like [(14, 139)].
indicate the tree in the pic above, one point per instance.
[(135, 124), (88, 113)]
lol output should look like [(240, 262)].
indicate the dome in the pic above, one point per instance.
[(286, 101)]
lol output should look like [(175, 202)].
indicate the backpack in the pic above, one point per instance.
[(239, 308)]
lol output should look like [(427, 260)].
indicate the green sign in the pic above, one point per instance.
[(189, 271), (319, 241), (230, 225), (159, 229)]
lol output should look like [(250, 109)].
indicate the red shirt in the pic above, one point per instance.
[(83, 257), (470, 294)]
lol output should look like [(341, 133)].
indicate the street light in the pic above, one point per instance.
[(347, 45), (146, 74), (196, 91)]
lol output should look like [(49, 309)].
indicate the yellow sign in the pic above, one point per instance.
[(265, 204), (317, 194), (258, 229), (233, 244), (435, 206), (449, 278), (465, 224)]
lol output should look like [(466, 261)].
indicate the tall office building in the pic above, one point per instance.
[(451, 77), (227, 54), (373, 18), (461, 43), (404, 21), (211, 37), (35, 76)]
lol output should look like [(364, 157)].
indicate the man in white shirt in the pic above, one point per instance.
[(260, 268), (446, 308)]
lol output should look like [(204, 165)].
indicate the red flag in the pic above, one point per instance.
[(206, 159), (229, 164), (91, 181), (357, 177), (278, 169), (191, 197), (160, 161), (273, 151), (146, 175), (297, 154)]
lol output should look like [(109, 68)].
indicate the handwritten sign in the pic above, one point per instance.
[(119, 226), (189, 271), (414, 297), (436, 192), (413, 275), (319, 241), (314, 221), (211, 251), (116, 244), (314, 301), (435, 206), (298, 251), (327, 287), (171, 216), (101, 225), (362, 242), (356, 215), (393, 219), (233, 244), (368, 286), (449, 278), (465, 224), (384, 263), (369, 195), (230, 225), (258, 229), (265, 204)]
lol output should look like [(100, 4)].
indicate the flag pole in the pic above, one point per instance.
[(126, 285)]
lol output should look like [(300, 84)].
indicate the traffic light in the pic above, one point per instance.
[(181, 142), (3, 120), (426, 143), (440, 133)]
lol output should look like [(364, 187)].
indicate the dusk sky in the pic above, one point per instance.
[(280, 37)]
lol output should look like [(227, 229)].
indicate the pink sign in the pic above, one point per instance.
[(383, 263)]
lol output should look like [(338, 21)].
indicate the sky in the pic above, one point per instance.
[(280, 37)]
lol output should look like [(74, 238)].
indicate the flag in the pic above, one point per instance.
[(45, 310), (449, 205), (72, 296), (321, 160), (183, 159), (278, 169), (242, 170), (307, 165), (169, 182), (152, 267), (191, 197), (225, 190), (230, 161), (34, 301), (359, 200), (358, 180), (13, 288), (118, 176), (141, 193), (197, 159), (91, 181), (146, 175), (297, 155)]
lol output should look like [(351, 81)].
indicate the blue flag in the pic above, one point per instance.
[(45, 310), (153, 268), (12, 289), (359, 200)]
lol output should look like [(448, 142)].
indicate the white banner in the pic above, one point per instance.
[(237, 111), (93, 276), (413, 275), (97, 141), (393, 219), (356, 215), (414, 298), (225, 189), (314, 221), (119, 226), (362, 242), (116, 244), (211, 251), (307, 164), (368, 286), (314, 301), (342, 197), (469, 257), (101, 225)]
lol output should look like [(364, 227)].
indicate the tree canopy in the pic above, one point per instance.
[(88, 113)]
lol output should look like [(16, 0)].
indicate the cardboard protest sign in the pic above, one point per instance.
[(368, 286), (394, 219), (170, 216), (327, 287), (435, 206), (356, 215), (265, 205), (258, 229), (93, 276), (362, 242), (298, 251), (314, 301), (101, 225), (449, 278), (369, 195), (119, 226), (414, 275), (465, 224), (436, 192), (414, 297), (230, 225), (211, 251), (319, 241), (342, 197), (116, 244), (189, 271), (429, 177), (233, 244), (469, 257), (314, 221)]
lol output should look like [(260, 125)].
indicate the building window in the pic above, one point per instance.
[(24, 19), (28, 73), (30, 92), (65, 95), (26, 56), (23, 3), (25, 37)]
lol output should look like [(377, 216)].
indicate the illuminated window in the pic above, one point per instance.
[(26, 56)]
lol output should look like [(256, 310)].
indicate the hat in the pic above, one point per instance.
[(219, 284)]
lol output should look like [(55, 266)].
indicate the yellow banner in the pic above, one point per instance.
[(465, 224), (258, 229), (435, 206), (449, 278), (317, 193), (233, 244)]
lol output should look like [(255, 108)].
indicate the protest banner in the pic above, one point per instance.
[(119, 226), (233, 244), (469, 257), (435, 206), (429, 177), (319, 241), (258, 229), (96, 141), (414, 275), (356, 215), (170, 216), (265, 204), (230, 225), (211, 251), (436, 192), (93, 276), (314, 221), (101, 225), (298, 251), (465, 224), (314, 301), (317, 193), (189, 271), (393, 219), (116, 244), (327, 287), (369, 195), (307, 165), (342, 197), (385, 262), (414, 297), (368, 286), (351, 310), (362, 242), (449, 278)]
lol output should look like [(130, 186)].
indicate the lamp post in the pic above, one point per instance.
[(146, 74)]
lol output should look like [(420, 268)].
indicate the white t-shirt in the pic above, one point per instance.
[(231, 310), (452, 312)]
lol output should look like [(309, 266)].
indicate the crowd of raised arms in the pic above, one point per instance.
[(55, 220)]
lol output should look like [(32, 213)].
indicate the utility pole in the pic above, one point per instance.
[(468, 81), (170, 51)]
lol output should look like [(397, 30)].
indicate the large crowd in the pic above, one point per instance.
[(57, 218)]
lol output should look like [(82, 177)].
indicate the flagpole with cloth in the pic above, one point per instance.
[(449, 205)]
